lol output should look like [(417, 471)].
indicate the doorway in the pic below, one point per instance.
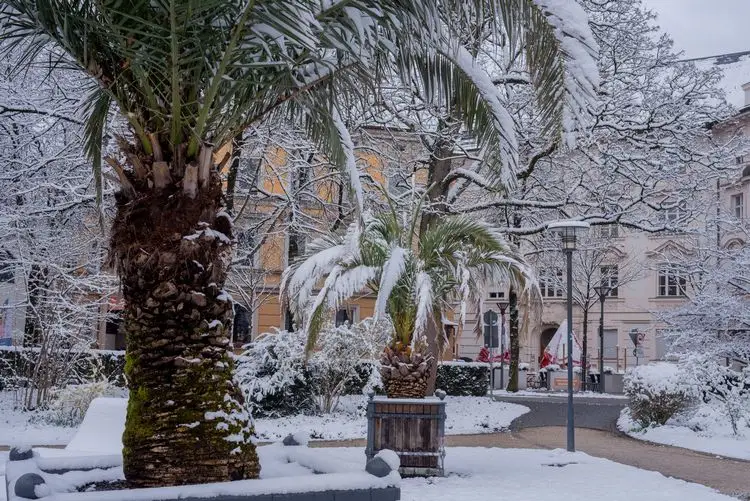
[(545, 338)]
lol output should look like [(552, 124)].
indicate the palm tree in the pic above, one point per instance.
[(188, 76), (416, 277)]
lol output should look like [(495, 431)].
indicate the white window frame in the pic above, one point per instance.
[(352, 311), (609, 231), (609, 275), (550, 287), (738, 205), (671, 281)]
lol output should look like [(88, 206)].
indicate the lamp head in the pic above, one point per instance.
[(569, 230)]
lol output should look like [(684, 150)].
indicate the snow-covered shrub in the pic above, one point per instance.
[(278, 379), (463, 379), (656, 392), (345, 360), (69, 404), (719, 384), (271, 373)]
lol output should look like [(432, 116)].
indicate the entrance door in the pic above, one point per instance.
[(545, 338)]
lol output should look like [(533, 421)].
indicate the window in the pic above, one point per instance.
[(672, 281), (288, 321), (739, 159), (246, 251), (399, 181), (673, 214), (6, 267), (610, 344), (347, 315), (609, 231), (610, 277), (550, 282), (296, 246), (494, 296), (738, 205), (242, 326), (249, 175)]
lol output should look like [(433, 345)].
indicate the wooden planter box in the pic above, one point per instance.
[(413, 428)]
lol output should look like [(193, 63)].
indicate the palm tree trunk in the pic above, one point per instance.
[(186, 422)]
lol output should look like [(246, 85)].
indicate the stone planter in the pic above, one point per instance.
[(558, 381), (614, 383), (522, 385), (413, 428)]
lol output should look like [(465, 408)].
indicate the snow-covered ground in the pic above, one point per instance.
[(29, 428), (703, 429), (464, 415), (532, 475)]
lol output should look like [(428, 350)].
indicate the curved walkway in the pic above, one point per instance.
[(547, 410)]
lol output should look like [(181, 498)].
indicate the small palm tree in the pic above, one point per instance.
[(416, 277), (188, 76)]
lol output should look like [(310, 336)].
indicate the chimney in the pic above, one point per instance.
[(746, 88)]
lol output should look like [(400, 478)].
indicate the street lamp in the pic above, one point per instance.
[(603, 291), (568, 231), (502, 305)]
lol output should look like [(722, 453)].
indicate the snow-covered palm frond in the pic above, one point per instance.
[(187, 72), (392, 271), (416, 277), (424, 299)]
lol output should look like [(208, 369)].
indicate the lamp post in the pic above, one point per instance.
[(603, 291), (568, 231), (502, 305)]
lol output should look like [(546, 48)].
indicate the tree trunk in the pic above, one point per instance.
[(186, 421), (439, 168), (585, 347), (234, 168), (513, 327), (515, 345)]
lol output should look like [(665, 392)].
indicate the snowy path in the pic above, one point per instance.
[(533, 475), (725, 475)]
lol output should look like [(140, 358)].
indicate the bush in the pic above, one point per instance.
[(720, 386), (463, 379), (278, 379), (656, 392), (69, 404)]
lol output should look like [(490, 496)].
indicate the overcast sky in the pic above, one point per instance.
[(705, 27)]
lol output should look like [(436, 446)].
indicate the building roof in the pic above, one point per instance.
[(736, 68)]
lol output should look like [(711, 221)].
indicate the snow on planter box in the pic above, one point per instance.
[(291, 473)]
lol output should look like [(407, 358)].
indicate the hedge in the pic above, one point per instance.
[(17, 365), (463, 379), (455, 378)]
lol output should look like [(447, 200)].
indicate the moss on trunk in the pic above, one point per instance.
[(186, 422)]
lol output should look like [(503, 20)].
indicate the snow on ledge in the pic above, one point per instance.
[(281, 485)]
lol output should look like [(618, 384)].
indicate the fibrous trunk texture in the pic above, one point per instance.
[(405, 373), (171, 244)]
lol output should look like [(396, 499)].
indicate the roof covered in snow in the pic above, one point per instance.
[(736, 68)]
